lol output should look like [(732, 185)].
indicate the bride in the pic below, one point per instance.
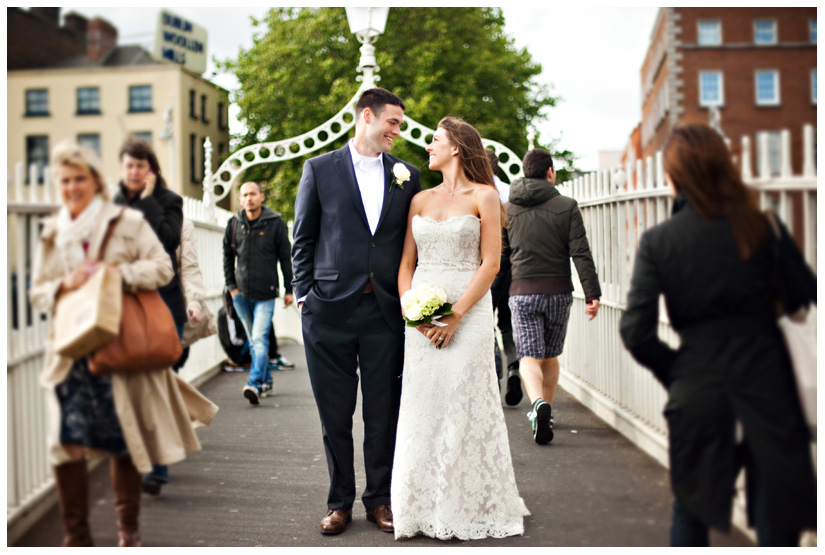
[(452, 473)]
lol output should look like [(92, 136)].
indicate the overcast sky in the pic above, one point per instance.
[(590, 56)]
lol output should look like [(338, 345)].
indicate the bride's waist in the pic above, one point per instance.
[(442, 267)]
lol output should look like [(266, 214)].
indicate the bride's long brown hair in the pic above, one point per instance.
[(471, 154)]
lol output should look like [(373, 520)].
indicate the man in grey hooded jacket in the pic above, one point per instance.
[(545, 231)]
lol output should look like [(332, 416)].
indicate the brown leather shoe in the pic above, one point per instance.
[(382, 516), (336, 521)]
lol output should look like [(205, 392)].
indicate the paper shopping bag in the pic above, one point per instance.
[(89, 317)]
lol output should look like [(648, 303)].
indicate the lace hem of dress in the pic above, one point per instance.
[(462, 531)]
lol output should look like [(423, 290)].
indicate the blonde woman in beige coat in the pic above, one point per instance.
[(138, 419)]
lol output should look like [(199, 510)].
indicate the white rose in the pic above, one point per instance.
[(442, 296), (413, 313), (401, 173)]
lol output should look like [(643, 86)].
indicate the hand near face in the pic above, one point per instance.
[(151, 179), (194, 314)]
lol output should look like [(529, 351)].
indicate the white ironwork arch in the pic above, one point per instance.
[(216, 186)]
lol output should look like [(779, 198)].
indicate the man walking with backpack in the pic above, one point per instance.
[(254, 239)]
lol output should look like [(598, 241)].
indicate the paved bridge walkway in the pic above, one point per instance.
[(261, 480)]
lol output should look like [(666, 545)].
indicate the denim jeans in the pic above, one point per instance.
[(256, 317)]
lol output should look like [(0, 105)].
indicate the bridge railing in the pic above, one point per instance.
[(618, 206), (29, 479)]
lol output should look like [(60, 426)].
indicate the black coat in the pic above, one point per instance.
[(545, 231), (259, 246), (732, 365), (164, 212), (334, 254)]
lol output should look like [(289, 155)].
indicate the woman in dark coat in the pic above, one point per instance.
[(142, 187), (714, 262)]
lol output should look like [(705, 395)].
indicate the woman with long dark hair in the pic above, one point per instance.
[(452, 474), (714, 261)]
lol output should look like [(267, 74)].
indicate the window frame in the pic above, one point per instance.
[(204, 119), (777, 101), (812, 31), (142, 136), (30, 160), (721, 102), (87, 112), (140, 110), (192, 104), (32, 114), (193, 166), (775, 31), (81, 136), (813, 86), (699, 23)]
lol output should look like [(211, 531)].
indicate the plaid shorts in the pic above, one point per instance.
[(540, 324)]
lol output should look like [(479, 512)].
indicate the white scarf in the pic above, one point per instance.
[(72, 233)]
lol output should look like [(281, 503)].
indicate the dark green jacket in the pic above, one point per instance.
[(545, 231)]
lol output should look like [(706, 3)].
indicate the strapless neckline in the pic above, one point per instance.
[(448, 219)]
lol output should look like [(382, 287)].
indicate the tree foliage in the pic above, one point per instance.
[(441, 61)]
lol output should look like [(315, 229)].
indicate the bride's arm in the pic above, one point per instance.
[(410, 253), (489, 208)]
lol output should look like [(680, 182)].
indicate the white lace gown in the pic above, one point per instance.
[(452, 473)]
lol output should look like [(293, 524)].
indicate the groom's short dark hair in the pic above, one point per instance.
[(375, 99), (536, 163)]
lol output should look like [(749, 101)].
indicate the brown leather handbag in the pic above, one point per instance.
[(148, 339)]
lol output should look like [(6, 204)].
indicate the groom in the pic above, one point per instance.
[(350, 223)]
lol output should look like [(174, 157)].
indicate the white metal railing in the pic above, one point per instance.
[(595, 366), (29, 477)]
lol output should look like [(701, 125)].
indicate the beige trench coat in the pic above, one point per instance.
[(157, 411), (194, 291)]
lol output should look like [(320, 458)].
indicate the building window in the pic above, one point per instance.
[(767, 88), (88, 100), (90, 141), (710, 33), (192, 113), (37, 102), (140, 98), (221, 151), (812, 30), (774, 142), (37, 153), (813, 87), (711, 88), (221, 121), (764, 31), (203, 109), (144, 136), (192, 166)]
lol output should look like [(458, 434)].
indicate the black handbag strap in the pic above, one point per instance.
[(109, 231)]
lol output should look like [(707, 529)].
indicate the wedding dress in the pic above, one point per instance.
[(453, 473)]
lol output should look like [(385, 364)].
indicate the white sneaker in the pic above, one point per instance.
[(252, 394), (267, 391)]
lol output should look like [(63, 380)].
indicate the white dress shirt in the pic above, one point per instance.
[(502, 188), (369, 173)]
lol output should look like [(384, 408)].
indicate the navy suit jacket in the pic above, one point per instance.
[(334, 255)]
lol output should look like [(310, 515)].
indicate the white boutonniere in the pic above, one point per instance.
[(400, 175)]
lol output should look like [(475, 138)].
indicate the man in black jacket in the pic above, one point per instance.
[(255, 237), (546, 231)]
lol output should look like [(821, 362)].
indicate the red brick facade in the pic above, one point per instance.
[(738, 58), (35, 39)]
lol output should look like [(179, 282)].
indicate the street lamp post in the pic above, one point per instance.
[(366, 24)]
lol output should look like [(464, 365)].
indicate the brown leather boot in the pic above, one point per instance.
[(127, 483), (72, 481)]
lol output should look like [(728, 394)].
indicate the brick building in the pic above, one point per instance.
[(756, 65), (75, 82)]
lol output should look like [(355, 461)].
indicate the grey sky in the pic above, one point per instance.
[(591, 56)]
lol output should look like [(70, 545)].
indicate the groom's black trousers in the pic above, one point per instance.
[(334, 355)]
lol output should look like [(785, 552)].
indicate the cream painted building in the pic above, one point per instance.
[(100, 106)]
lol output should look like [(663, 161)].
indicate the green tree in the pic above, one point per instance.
[(441, 61)]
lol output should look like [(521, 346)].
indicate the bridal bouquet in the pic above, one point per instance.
[(425, 304)]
